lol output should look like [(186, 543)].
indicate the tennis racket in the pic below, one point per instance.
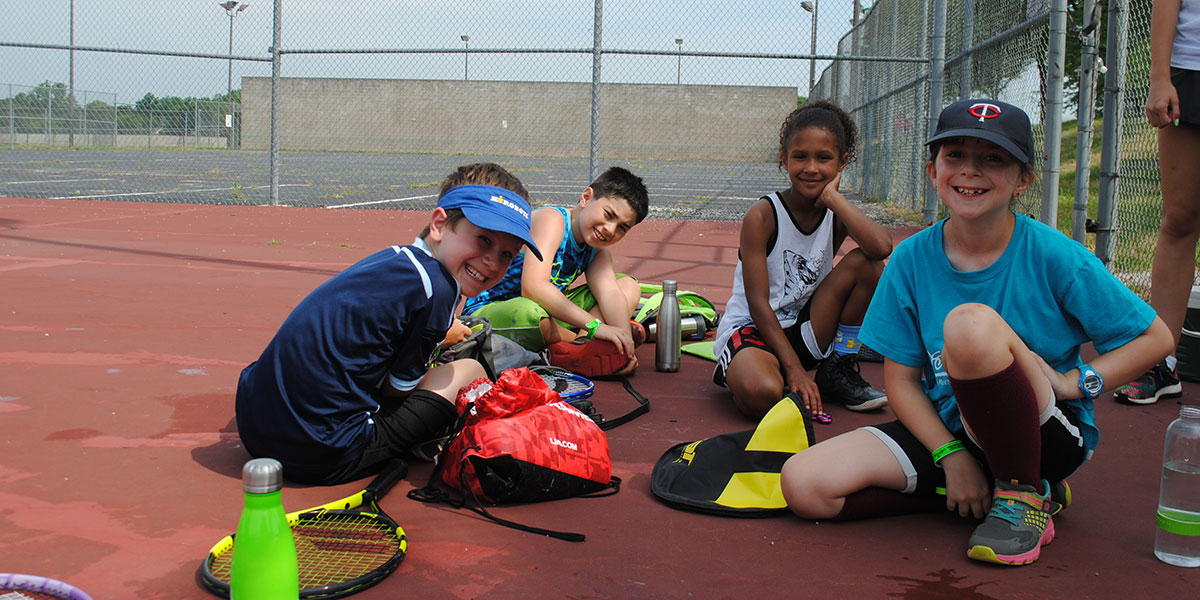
[(340, 550), (569, 386), (14, 586)]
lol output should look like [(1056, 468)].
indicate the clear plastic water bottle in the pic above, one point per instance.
[(1177, 541), (666, 346), (264, 551)]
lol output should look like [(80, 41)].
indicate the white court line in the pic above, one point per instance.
[(130, 194), (372, 202), (55, 181)]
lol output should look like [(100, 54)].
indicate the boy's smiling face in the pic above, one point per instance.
[(477, 258), (601, 222)]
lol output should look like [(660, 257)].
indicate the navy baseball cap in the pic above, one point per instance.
[(992, 120), (493, 208)]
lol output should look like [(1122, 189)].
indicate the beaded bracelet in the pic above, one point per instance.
[(946, 450)]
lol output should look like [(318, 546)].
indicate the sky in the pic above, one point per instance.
[(202, 27)]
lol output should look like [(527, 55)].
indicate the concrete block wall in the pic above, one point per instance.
[(511, 118)]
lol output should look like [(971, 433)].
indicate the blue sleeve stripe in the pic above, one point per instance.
[(424, 275)]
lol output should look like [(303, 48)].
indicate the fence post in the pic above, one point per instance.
[(49, 116), (920, 95), (276, 65), (937, 77), (1110, 159), (1052, 123), (1086, 112), (968, 40), (12, 123), (594, 152)]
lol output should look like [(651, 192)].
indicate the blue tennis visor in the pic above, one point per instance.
[(493, 208)]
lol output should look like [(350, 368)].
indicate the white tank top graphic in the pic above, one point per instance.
[(796, 264)]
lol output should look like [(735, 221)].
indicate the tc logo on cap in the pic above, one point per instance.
[(984, 111)]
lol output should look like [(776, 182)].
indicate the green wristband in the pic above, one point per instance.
[(592, 326), (947, 449)]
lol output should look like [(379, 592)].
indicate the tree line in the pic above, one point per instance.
[(49, 105)]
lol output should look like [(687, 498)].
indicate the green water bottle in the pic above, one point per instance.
[(264, 553)]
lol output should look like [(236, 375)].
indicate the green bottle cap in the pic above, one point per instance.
[(262, 476)]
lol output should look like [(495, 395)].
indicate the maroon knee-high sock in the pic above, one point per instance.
[(879, 502), (1002, 411)]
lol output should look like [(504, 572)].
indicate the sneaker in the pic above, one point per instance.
[(590, 358), (867, 354), (839, 380), (1017, 527), (1158, 382), (639, 333), (1060, 493)]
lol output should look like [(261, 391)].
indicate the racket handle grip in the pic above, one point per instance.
[(393, 471)]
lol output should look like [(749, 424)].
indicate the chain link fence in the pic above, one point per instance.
[(1138, 212), (376, 102)]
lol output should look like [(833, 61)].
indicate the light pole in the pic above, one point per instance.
[(811, 7), (71, 94), (466, 53), (234, 9), (678, 58)]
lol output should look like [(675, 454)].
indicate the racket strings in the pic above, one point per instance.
[(564, 386), (335, 548), (25, 595)]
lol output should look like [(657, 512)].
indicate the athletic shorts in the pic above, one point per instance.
[(1062, 451), (799, 335), (519, 319), (1187, 86)]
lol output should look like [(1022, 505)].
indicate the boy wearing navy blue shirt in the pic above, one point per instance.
[(346, 382)]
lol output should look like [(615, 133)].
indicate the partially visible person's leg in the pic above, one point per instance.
[(1174, 266), (1002, 393), (754, 378), (837, 309), (402, 423), (519, 319), (1000, 389), (838, 476)]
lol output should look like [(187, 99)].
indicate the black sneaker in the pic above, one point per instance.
[(1158, 382), (839, 381)]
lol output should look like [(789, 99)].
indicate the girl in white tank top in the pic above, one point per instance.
[(790, 301)]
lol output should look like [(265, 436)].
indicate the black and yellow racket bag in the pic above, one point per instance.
[(735, 474)]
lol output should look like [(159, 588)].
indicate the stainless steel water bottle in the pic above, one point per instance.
[(690, 327), (666, 346)]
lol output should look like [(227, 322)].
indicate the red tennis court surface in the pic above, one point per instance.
[(123, 327)]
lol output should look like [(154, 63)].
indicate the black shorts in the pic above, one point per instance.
[(1187, 86), (799, 335), (1062, 451)]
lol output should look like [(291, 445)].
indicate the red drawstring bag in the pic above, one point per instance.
[(521, 443)]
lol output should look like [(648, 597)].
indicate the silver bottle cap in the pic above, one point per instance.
[(262, 476), (669, 285)]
